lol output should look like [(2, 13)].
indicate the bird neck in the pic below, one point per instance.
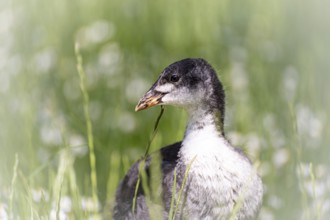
[(202, 118), (203, 137)]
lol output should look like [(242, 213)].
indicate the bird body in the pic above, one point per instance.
[(218, 180)]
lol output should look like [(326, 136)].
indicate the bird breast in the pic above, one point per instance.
[(219, 177)]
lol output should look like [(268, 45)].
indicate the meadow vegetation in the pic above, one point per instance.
[(71, 73)]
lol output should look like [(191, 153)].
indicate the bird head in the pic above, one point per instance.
[(188, 83)]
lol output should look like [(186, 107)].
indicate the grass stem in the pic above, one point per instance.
[(182, 187), (170, 214), (12, 190), (92, 160)]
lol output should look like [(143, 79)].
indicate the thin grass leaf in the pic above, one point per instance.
[(170, 214), (317, 203), (303, 190), (297, 142), (182, 187), (114, 164), (12, 187), (156, 177), (58, 202), (144, 179), (76, 197), (154, 132), (26, 194), (92, 160), (135, 194), (142, 171), (153, 198)]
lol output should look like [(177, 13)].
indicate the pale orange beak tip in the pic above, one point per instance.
[(148, 101), (140, 106)]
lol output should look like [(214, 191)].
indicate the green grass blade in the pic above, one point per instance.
[(82, 77), (182, 187), (135, 194), (170, 214), (12, 190)]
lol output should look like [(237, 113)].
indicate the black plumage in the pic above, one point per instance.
[(126, 190)]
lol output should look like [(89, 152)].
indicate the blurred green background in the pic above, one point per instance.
[(272, 57)]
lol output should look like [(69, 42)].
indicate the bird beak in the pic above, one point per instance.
[(151, 98)]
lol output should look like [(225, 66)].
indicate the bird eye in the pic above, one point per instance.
[(174, 78)]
